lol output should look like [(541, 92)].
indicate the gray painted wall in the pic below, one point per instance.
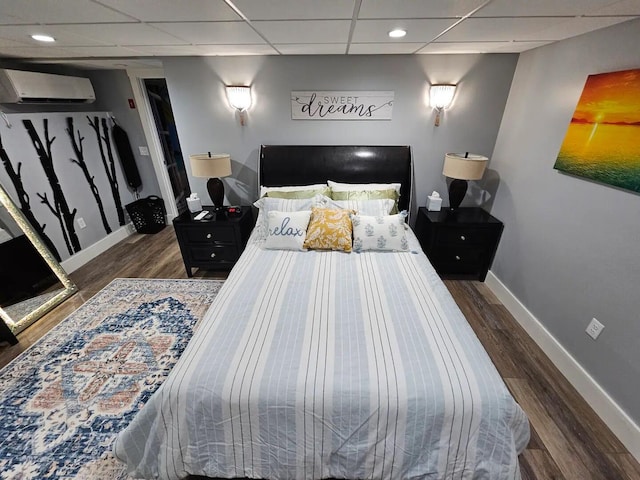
[(571, 247), (206, 122)]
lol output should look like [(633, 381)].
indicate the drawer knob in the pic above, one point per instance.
[(209, 235), (457, 257), (213, 255), (463, 238)]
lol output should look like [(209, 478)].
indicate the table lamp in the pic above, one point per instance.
[(212, 166), (462, 167)]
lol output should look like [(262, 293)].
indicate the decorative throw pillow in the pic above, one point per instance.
[(383, 206), (329, 229), (267, 204), (286, 230), (343, 187), (367, 195), (298, 193), (291, 188), (380, 233)]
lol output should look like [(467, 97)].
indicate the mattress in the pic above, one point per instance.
[(314, 365)]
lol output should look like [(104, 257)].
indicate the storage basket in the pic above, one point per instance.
[(148, 214)]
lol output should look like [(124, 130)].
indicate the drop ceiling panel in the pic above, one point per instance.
[(124, 34), (296, 9), (312, 48), (572, 27), (623, 7), (540, 8), (34, 52), (384, 48), (417, 9), (377, 31), (305, 31), (102, 51), (462, 47), (61, 11), (174, 11), (22, 33), (212, 32), (207, 50), (500, 29)]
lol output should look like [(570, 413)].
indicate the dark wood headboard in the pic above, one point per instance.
[(308, 164)]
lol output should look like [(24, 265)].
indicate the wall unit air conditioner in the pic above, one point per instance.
[(17, 86)]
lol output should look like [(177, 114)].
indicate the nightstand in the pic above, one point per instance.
[(460, 244), (214, 244)]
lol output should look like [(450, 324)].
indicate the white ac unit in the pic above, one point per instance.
[(17, 86)]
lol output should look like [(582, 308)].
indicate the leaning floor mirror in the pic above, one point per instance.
[(32, 281)]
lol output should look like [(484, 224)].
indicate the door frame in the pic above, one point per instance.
[(136, 78)]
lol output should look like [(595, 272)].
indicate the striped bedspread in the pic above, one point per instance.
[(314, 365)]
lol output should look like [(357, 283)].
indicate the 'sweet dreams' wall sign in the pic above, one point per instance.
[(349, 105)]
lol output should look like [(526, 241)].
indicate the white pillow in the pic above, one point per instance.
[(291, 188), (268, 204), (379, 233), (287, 230), (350, 187), (375, 207)]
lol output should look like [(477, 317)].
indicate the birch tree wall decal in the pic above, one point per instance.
[(24, 200), (79, 160), (60, 208), (109, 166)]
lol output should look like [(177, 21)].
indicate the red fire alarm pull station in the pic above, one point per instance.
[(132, 104)]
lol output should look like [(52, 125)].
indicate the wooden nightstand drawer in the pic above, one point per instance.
[(214, 253), (464, 236), (210, 233), (458, 260)]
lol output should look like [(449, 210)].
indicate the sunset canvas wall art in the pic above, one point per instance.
[(602, 142)]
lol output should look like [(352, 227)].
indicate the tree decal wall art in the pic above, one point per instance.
[(15, 175), (110, 164), (58, 168), (59, 208), (79, 160)]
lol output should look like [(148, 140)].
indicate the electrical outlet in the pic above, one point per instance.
[(81, 222), (144, 151), (594, 328)]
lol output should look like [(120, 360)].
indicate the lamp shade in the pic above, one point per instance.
[(441, 96), (464, 166), (239, 97), (210, 165)]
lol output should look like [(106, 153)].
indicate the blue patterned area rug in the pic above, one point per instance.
[(63, 401)]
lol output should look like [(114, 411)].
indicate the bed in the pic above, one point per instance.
[(321, 364)]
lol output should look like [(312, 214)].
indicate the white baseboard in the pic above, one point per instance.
[(73, 263), (609, 411)]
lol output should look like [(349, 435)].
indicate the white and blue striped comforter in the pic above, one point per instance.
[(330, 365)]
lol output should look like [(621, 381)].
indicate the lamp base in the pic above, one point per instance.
[(457, 191), (215, 187)]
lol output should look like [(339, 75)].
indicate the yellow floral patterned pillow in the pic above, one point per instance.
[(329, 229)]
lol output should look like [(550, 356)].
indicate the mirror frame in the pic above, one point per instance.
[(69, 288)]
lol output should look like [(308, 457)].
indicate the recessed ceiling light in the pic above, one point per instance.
[(43, 38), (397, 33)]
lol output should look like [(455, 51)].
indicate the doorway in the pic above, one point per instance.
[(160, 106)]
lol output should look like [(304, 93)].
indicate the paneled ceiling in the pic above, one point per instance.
[(129, 33)]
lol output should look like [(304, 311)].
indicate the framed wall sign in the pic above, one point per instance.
[(341, 105)]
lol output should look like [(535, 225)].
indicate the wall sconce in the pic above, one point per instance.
[(462, 167), (239, 98), (212, 167), (440, 97)]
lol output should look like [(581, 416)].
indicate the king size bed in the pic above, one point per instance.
[(326, 364)]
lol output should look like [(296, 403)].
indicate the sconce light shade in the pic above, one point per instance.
[(462, 167), (440, 97), (239, 98), (213, 167)]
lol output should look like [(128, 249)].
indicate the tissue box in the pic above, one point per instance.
[(434, 204), (194, 204)]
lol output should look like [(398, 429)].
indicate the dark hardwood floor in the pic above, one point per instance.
[(568, 441)]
